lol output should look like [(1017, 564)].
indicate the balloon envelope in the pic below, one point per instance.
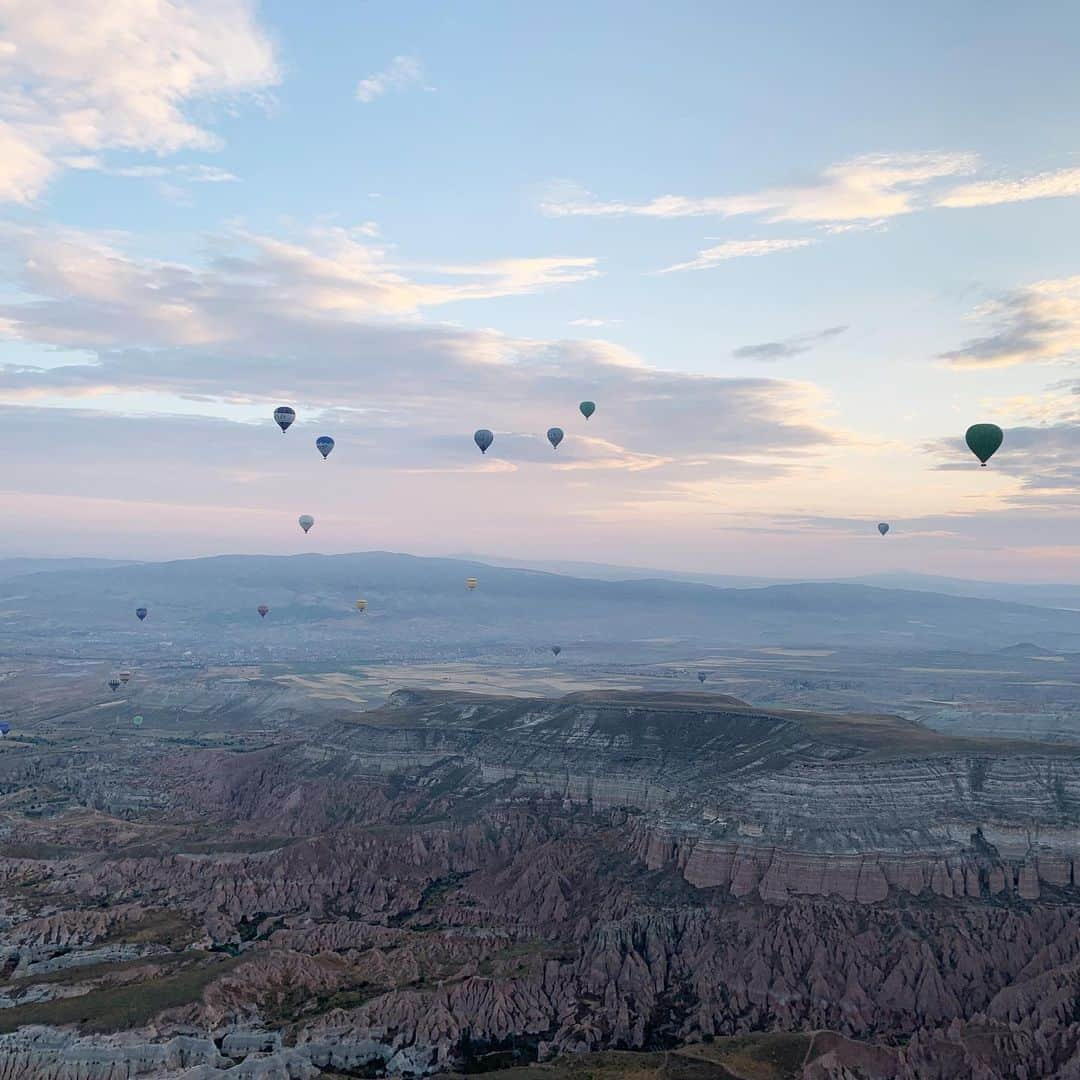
[(883, 527), (555, 436), (140, 613), (361, 606), (124, 677), (556, 649), (262, 609), (983, 440), (483, 438), (702, 676), (284, 416), (587, 408), (306, 521), (471, 583), (137, 721), (324, 444), (5, 727), (114, 685)]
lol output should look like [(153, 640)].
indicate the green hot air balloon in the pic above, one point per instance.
[(983, 440), (137, 721), (587, 408)]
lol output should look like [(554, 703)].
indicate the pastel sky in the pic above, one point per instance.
[(792, 251)]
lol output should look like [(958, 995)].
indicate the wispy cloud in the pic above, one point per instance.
[(594, 322), (400, 73), (1057, 184), (738, 249), (80, 84), (1037, 323), (873, 186), (782, 350)]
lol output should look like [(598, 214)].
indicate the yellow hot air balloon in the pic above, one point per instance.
[(471, 583), (361, 606)]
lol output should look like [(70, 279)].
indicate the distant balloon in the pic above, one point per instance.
[(471, 583), (983, 440), (361, 606), (587, 408), (125, 677), (883, 527), (262, 609), (137, 721), (284, 416), (555, 436), (702, 676), (556, 649), (141, 613), (114, 685), (306, 521), (5, 727), (483, 438), (324, 444)]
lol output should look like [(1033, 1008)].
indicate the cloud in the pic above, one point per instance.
[(332, 326), (737, 249), (1037, 323), (1044, 459), (782, 350), (74, 82), (91, 293), (867, 188), (1057, 184), (594, 322), (402, 72)]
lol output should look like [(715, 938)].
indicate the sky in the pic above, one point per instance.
[(791, 251)]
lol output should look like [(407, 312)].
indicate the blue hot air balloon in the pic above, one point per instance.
[(283, 417), (141, 613), (5, 727), (883, 527), (587, 408), (324, 444), (483, 438), (555, 436)]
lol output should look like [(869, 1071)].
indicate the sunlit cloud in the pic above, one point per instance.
[(737, 249), (401, 73), (1057, 184), (866, 188), (1034, 324), (77, 84)]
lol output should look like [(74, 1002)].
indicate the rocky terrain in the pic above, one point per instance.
[(459, 882)]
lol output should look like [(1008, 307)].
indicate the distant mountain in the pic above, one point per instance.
[(20, 567), (421, 600), (1057, 596), (1041, 595)]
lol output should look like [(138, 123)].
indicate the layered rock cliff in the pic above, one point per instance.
[(452, 876)]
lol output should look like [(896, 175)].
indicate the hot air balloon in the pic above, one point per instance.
[(883, 527), (702, 676), (587, 408), (483, 438), (361, 606), (125, 677), (471, 583), (5, 727), (137, 721), (324, 444), (262, 609), (114, 685), (284, 416), (983, 440), (306, 521), (555, 436), (556, 649), (140, 613)]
